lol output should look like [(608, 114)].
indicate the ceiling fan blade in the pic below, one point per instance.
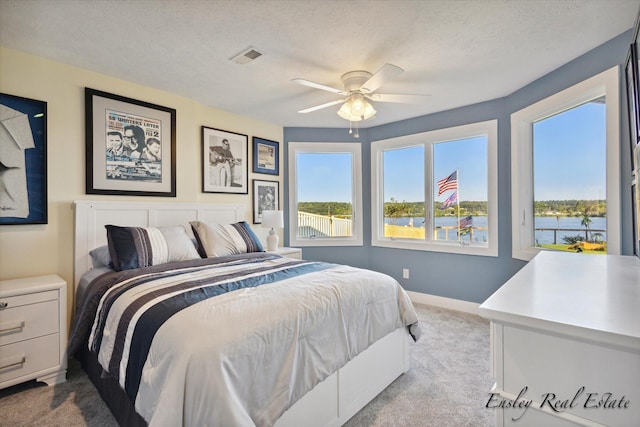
[(321, 106), (405, 99), (386, 72), (319, 86)]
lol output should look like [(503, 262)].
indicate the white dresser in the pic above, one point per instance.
[(33, 332), (565, 341)]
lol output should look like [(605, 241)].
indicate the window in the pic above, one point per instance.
[(403, 177), (437, 190), (325, 187), (549, 208)]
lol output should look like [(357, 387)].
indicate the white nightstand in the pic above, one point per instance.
[(295, 253), (33, 330)]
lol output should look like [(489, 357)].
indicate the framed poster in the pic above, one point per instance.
[(265, 156), (23, 160), (265, 198), (224, 161), (131, 146)]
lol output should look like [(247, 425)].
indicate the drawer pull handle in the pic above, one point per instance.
[(10, 326), (4, 304), (13, 361)]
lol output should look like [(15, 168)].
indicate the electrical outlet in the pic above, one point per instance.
[(405, 273)]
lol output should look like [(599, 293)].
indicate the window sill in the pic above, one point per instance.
[(452, 248), (336, 241)]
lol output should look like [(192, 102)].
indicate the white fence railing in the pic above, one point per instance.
[(312, 225)]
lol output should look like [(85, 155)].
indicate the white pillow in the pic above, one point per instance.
[(225, 239), (181, 247)]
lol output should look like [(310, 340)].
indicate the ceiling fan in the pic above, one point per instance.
[(359, 87)]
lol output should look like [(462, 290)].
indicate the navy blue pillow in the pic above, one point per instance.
[(122, 247)]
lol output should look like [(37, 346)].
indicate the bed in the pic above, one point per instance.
[(247, 338)]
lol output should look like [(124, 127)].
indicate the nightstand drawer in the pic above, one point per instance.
[(295, 254), (26, 299), (27, 357), (28, 321)]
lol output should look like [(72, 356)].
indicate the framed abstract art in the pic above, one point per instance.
[(23, 160)]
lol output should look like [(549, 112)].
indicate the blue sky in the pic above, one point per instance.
[(569, 163), (326, 177), (405, 170)]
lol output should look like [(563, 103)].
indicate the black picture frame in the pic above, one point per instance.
[(23, 176), (635, 202), (635, 49), (224, 161), (266, 155), (631, 77), (266, 196), (134, 168)]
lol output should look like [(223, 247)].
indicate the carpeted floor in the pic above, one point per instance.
[(448, 384)]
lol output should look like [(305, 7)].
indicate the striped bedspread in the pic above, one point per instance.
[(237, 340)]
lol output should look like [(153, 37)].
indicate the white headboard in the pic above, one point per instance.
[(92, 216)]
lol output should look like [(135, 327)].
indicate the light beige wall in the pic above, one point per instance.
[(30, 250)]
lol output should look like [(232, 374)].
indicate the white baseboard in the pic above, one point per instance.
[(443, 302)]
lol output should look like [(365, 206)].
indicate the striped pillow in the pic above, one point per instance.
[(135, 247), (225, 239)]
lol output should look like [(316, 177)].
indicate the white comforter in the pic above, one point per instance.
[(244, 357)]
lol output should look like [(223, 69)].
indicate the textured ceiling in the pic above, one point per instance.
[(458, 51)]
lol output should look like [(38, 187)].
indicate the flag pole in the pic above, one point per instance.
[(458, 203)]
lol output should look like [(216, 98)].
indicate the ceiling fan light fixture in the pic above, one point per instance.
[(357, 104), (369, 111), (356, 109), (345, 111)]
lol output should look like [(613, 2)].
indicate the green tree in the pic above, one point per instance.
[(339, 209), (586, 222), (395, 210)]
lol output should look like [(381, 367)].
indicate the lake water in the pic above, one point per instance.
[(545, 237), (542, 237)]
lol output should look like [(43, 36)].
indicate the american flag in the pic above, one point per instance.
[(448, 183), (451, 200), (466, 222)]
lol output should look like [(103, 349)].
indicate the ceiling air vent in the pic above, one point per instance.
[(246, 56)]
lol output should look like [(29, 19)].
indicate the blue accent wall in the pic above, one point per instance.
[(468, 277)]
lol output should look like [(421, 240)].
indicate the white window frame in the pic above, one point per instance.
[(522, 215), (355, 150), (428, 139)]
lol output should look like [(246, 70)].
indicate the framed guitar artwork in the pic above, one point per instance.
[(224, 161)]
